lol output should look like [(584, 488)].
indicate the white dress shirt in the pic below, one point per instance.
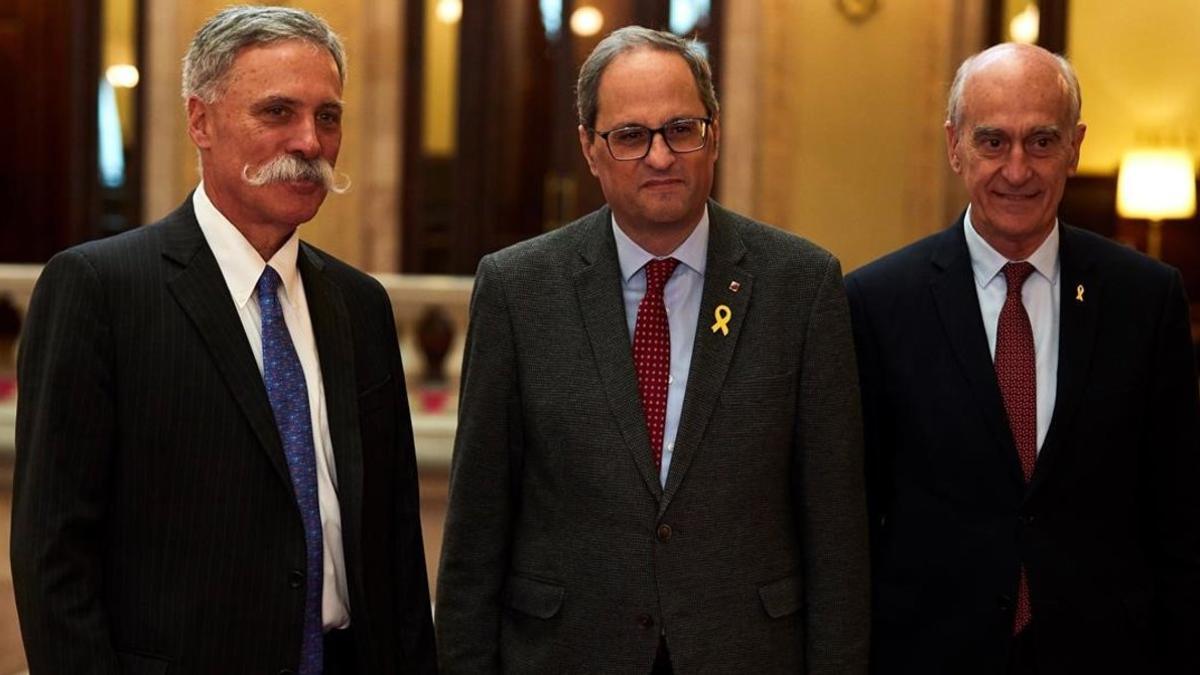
[(241, 266), (681, 295), (1041, 298)]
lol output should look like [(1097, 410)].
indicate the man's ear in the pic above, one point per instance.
[(199, 125), (715, 130), (952, 147), (588, 144), (1076, 144)]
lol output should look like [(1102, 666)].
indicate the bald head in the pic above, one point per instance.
[(1016, 68), (1013, 135)]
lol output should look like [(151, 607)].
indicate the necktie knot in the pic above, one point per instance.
[(268, 283), (657, 273), (1015, 273)]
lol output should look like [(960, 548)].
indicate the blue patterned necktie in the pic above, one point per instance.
[(289, 401)]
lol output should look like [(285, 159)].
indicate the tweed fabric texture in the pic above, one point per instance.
[(288, 394), (652, 352), (564, 551)]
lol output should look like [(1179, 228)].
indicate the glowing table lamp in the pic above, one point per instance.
[(1155, 185)]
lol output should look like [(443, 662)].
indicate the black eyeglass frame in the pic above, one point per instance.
[(659, 131)]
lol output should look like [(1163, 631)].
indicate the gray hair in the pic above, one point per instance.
[(629, 39), (1066, 72), (217, 43)]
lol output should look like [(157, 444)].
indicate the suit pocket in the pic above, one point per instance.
[(755, 391), (375, 397), (135, 663), (781, 598), (533, 597)]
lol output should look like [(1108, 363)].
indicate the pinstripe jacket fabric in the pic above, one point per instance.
[(562, 551), (154, 525)]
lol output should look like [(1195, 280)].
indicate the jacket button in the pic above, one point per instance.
[(285, 671), (645, 620), (1028, 518), (1003, 603), (664, 532), (296, 579)]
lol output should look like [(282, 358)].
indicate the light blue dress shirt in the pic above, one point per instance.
[(1041, 298), (682, 299)]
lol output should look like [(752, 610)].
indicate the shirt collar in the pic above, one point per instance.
[(240, 263), (693, 252), (987, 262)]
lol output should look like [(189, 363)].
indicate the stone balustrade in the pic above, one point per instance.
[(431, 316)]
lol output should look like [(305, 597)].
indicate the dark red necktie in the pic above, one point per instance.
[(652, 352), (1016, 371)]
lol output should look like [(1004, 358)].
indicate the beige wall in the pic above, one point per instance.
[(360, 226), (830, 128), (1139, 69), (833, 129)]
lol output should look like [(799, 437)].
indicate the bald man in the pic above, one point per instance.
[(1030, 402)]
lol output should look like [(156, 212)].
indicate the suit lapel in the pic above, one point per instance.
[(1077, 321), (598, 287), (200, 290), (953, 289), (713, 350), (335, 349)]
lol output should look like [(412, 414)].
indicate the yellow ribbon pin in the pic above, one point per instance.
[(1079, 293), (722, 315)]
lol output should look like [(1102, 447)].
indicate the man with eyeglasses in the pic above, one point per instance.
[(658, 459)]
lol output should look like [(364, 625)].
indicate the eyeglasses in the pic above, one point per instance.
[(683, 135)]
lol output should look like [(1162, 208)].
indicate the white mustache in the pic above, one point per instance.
[(285, 168)]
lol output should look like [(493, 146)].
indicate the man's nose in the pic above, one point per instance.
[(1016, 168), (304, 140), (660, 156)]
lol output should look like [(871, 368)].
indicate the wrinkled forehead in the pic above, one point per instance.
[(1016, 87)]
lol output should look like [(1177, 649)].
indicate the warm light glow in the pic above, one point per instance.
[(1157, 184), (1024, 27), (449, 11), (122, 76), (586, 21)]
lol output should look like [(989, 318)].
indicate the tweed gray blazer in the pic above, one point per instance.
[(563, 553)]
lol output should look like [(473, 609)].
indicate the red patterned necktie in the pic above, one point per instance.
[(652, 352), (1016, 371)]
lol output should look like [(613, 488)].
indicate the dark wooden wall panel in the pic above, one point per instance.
[(49, 68)]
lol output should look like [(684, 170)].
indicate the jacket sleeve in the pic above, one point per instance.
[(483, 486), (877, 465), (1172, 450), (829, 444), (412, 604), (65, 442)]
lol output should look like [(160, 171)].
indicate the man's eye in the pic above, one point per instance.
[(681, 129), (629, 136), (329, 118)]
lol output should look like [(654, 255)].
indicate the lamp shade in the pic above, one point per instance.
[(1157, 184)]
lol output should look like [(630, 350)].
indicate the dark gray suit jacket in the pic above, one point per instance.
[(155, 528), (564, 554)]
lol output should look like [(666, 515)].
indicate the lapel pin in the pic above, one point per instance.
[(722, 315), (734, 286), (1079, 293)]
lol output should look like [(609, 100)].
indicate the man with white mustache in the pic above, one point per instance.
[(215, 468)]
